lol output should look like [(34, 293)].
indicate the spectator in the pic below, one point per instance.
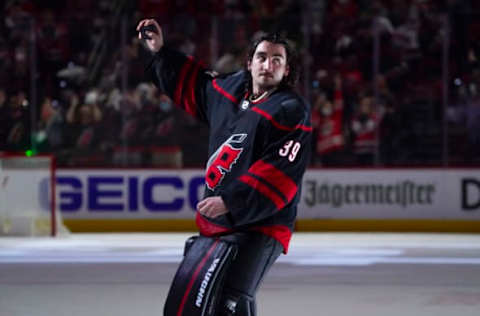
[(17, 123), (83, 122), (50, 128), (467, 114), (231, 61), (364, 126), (129, 112), (327, 119), (166, 121)]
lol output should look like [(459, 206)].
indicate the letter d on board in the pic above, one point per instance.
[(468, 187)]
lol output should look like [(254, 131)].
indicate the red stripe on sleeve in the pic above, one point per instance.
[(194, 277), (280, 126), (181, 79), (263, 189), (223, 92), (275, 177), (189, 94)]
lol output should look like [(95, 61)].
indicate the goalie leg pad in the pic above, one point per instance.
[(198, 283)]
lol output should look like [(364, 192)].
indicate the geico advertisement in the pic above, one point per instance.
[(394, 193), (339, 193), (128, 193)]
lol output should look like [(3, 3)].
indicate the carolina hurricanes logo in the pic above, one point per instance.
[(223, 159)]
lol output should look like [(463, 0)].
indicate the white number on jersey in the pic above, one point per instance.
[(290, 149)]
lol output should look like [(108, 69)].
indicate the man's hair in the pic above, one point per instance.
[(275, 38)]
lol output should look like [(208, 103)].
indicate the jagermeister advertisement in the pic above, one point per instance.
[(391, 193)]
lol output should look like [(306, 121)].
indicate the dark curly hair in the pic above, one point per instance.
[(288, 81)]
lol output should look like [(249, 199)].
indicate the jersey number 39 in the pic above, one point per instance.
[(290, 150)]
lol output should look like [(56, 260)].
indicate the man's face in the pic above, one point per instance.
[(268, 66)]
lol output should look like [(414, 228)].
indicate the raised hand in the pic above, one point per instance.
[(153, 39)]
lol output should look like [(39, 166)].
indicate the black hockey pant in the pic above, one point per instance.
[(256, 254)]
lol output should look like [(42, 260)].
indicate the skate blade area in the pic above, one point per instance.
[(323, 274)]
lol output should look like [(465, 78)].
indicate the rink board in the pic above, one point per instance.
[(426, 199)]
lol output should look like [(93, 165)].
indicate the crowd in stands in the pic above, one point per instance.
[(392, 105), (72, 81)]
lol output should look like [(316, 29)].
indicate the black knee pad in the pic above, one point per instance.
[(233, 304), (188, 244), (197, 285)]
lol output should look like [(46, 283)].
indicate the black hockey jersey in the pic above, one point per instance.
[(258, 152)]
